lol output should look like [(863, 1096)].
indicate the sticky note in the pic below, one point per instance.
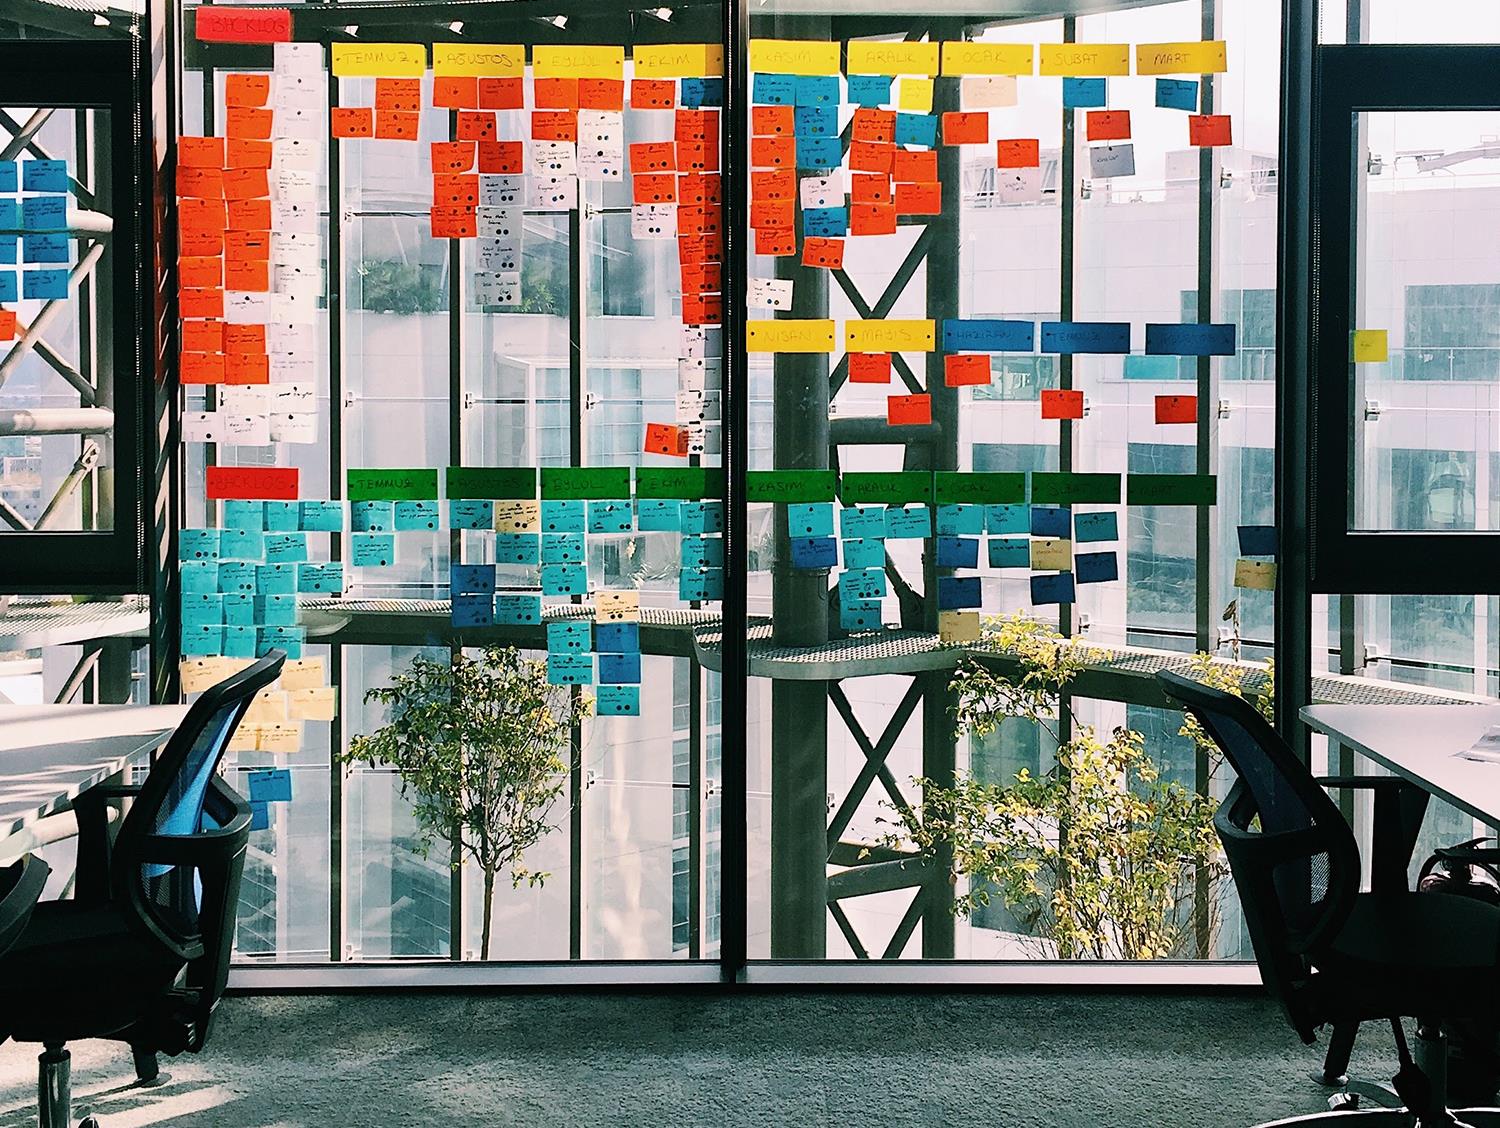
[(1371, 346), (1050, 521), (1096, 567), (1062, 403), (960, 521), (378, 60), (564, 579), (1072, 337), (794, 56), (283, 548), (908, 523), (790, 336), (1085, 59), (617, 701), (1210, 130), (1190, 340), (1108, 125), (1116, 159), (1256, 575), (199, 577), (562, 548), (916, 129), (1018, 152), (570, 669), (620, 669), (862, 583), (416, 516), (280, 516), (1093, 527), (658, 516), (957, 592), (966, 129), (705, 583), (1176, 409), (617, 606), (241, 544), (44, 285), (471, 513), (44, 176), (859, 614), (372, 550), (1051, 554), (869, 90), (702, 516), (867, 521), (276, 579), (1257, 540), (1177, 94), (324, 578), (988, 92), (810, 519), (814, 552), (817, 90), (519, 610), (958, 626), (1009, 552), (865, 552), (957, 552), (1209, 57), (472, 579), (569, 638), (610, 517), (1052, 589), (1084, 93), (908, 411), (965, 58), (914, 95), (276, 610)]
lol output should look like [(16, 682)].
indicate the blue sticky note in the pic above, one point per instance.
[(43, 176), (702, 516), (862, 583), (8, 179), (564, 579), (202, 640), (1096, 567), (610, 517), (276, 610), (916, 129), (518, 548), (1257, 540), (1069, 337), (562, 548), (473, 610), (325, 578), (242, 544), (9, 291), (260, 817), (865, 552), (702, 552), (988, 335), (816, 121), (1053, 588), (1190, 340), (957, 552), (774, 89), (239, 610), (1084, 93), (1050, 521), (372, 516), (564, 517), (200, 608), (960, 520), (816, 153), (242, 514), (1177, 94), (1091, 527), (372, 550), (913, 522), (617, 701), (283, 548), (45, 248), (198, 544), (199, 576), (957, 592), (237, 576), (865, 522), (45, 285), (700, 584), (859, 614), (699, 92), (619, 669), (271, 786), (44, 213), (281, 516), (518, 610), (825, 223), (10, 216), (471, 579), (617, 638), (275, 579), (416, 516), (817, 90), (321, 516), (570, 669), (239, 640), (1010, 552), (814, 552), (655, 516), (471, 513), (870, 89), (569, 638), (810, 520), (289, 639), (10, 247)]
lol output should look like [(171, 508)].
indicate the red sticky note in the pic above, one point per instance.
[(959, 371), (203, 301), (474, 125), (272, 483), (246, 89), (208, 214), (200, 183), (702, 277), (919, 199), (874, 125), (653, 94), (555, 93), (703, 309), (200, 368), (554, 125), (505, 158), (247, 368), (870, 188), (203, 336), (254, 245), (246, 184), (242, 153), (244, 121), (398, 95), (700, 248), (664, 438), (701, 126), (654, 188), (1209, 130), (455, 92), (1177, 409), (773, 184), (772, 121), (454, 223), (351, 121), (455, 190), (869, 368), (914, 166), (200, 152), (243, 339), (825, 253), (906, 411), (1108, 125), (872, 219), (501, 94), (695, 156), (7, 324), (251, 275), (230, 24), (775, 241), (700, 188), (200, 271), (1058, 403), (653, 156), (695, 220), (199, 240), (250, 215), (966, 129), (773, 152), (601, 94), (452, 156), (868, 156), (1018, 152), (397, 126), (773, 213)]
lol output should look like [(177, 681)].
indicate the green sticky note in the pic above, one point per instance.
[(953, 488), (495, 483), (567, 483), (393, 485), (790, 486), (1171, 489), (684, 483), (895, 488), (1075, 489)]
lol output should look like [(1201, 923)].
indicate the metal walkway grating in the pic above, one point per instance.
[(32, 624)]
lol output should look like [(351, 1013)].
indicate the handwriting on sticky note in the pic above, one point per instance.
[(1371, 346), (889, 335), (1208, 57)]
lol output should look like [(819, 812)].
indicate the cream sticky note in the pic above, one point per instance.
[(246, 737), (379, 60), (318, 703), (198, 674), (988, 58), (1257, 575), (577, 61), (1051, 554), (479, 60), (915, 95), (885, 335), (1371, 346), (278, 738), (679, 60), (794, 56), (518, 516), (811, 336), (268, 707), (303, 673), (1208, 57), (867, 56), (989, 92), (1085, 59), (958, 626), (617, 606)]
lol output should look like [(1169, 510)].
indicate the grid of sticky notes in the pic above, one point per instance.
[(384, 503), (1255, 568), (34, 222), (250, 265), (604, 652)]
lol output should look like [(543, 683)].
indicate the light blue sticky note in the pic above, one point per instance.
[(957, 552), (518, 548), (198, 544), (819, 153), (372, 550), (518, 610), (1091, 527), (282, 516), (617, 638), (817, 90), (865, 553), (242, 514), (239, 640), (324, 578), (569, 638), (702, 516), (276, 610), (563, 517), (816, 121), (825, 223), (958, 592), (1177, 94), (774, 89), (702, 552), (44, 213), (700, 583), (1051, 521), (201, 577), (472, 610), (656, 516), (564, 579), (610, 517), (471, 513), (618, 700), (471, 579), (8, 179), (321, 516), (810, 520), (863, 522), (1057, 588), (272, 785), (863, 583), (1010, 552), (237, 575), (275, 579), (416, 516), (1004, 520), (960, 520), (286, 548), (45, 248), (916, 129), (814, 552), (9, 292), (242, 544), (859, 614), (260, 816), (1085, 93), (619, 669), (202, 640), (1096, 567), (288, 639), (43, 176), (562, 548), (45, 285), (372, 516), (870, 89), (239, 610), (199, 608), (912, 522), (570, 669)]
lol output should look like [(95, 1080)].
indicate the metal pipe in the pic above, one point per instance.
[(874, 430), (79, 221), (57, 421), (33, 126), (88, 460), (87, 392)]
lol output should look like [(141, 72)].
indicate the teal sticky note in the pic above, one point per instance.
[(518, 610), (202, 640), (562, 548), (44, 285), (570, 669), (912, 522), (617, 701), (702, 552), (569, 637), (564, 579), (237, 576), (960, 520), (1010, 552), (9, 181), (282, 516), (610, 517), (286, 548), (863, 522), (321, 516), (239, 641), (239, 609), (471, 513), (44, 213), (202, 609), (288, 639), (1085, 93), (42, 176), (1092, 527), (863, 583), (242, 544), (197, 544), (276, 579), (50, 248), (813, 519), (326, 578), (1177, 94), (372, 516), (1007, 520), (9, 291), (700, 583), (276, 610), (865, 553), (372, 550), (416, 516), (242, 514), (859, 614), (656, 516), (517, 548), (563, 517), (702, 516)]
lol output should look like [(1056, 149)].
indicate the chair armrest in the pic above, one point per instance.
[(1399, 808), (95, 839)]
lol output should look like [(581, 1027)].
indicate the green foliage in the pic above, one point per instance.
[(393, 286), (478, 744)]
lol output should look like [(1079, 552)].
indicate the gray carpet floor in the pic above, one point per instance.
[(664, 1061)]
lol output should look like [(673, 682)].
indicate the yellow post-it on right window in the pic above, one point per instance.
[(958, 626), (915, 96), (1371, 346), (1255, 575)]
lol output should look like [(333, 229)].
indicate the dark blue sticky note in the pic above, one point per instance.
[(819, 152), (1189, 340), (1084, 93), (814, 552), (10, 213), (45, 285), (8, 290), (958, 552), (620, 669), (817, 90), (10, 248), (473, 610), (826, 223), (1090, 527), (260, 817), (472, 579), (699, 92), (44, 213), (816, 121), (970, 335), (617, 638), (1069, 337), (774, 89), (618, 701), (957, 592), (44, 176), (1257, 540), (1010, 552), (1050, 521), (1055, 588), (1177, 94), (870, 89), (44, 248), (916, 129), (271, 786), (1096, 567), (8, 178)]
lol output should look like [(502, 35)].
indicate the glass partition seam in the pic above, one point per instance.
[(335, 274)]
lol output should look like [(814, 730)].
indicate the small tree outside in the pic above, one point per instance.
[(479, 744)]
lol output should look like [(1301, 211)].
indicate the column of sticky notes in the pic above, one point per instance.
[(40, 214)]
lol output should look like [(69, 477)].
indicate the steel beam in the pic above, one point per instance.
[(57, 421)]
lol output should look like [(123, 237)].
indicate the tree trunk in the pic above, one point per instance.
[(489, 904)]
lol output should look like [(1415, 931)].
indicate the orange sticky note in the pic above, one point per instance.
[(773, 152), (200, 183), (199, 241), (246, 89), (653, 156), (501, 94), (1209, 130), (702, 309), (398, 95), (906, 411), (698, 221), (695, 156), (455, 190), (663, 438), (775, 241), (914, 167), (203, 336), (868, 156), (352, 121), (475, 125), (556, 93), (919, 199), (397, 126), (200, 152), (1108, 125), (243, 339), (773, 213), (772, 121), (872, 219), (654, 188), (208, 214), (959, 371), (869, 368), (1018, 152), (601, 94), (452, 156), (773, 184), (200, 302), (1177, 409), (966, 129), (825, 253), (200, 271), (700, 126), (1058, 403), (554, 125), (246, 184), (455, 92), (870, 188), (247, 368), (200, 368), (878, 126), (254, 245), (7, 324), (700, 188), (454, 223), (241, 153), (250, 215), (700, 248), (505, 158), (653, 94), (244, 121)]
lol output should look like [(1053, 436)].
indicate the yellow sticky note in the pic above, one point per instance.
[(278, 738), (679, 60), (551, 61), (988, 58), (1085, 59), (268, 707), (794, 56), (1051, 554), (989, 92), (813, 336), (245, 738), (1208, 57), (518, 516), (479, 60), (894, 57), (1371, 346), (303, 673), (884, 335), (198, 674), (317, 704), (915, 95), (1258, 575), (958, 626), (617, 607), (379, 60)]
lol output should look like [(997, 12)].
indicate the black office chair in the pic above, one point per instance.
[(1332, 955), (141, 952)]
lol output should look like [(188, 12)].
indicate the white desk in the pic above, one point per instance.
[(1419, 743)]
